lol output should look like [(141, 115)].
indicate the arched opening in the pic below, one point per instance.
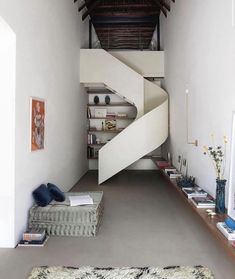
[(7, 139)]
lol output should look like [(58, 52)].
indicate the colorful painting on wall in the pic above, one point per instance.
[(37, 108)]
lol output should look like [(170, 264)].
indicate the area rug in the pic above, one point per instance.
[(171, 272)]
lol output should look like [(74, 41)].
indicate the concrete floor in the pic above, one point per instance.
[(145, 224)]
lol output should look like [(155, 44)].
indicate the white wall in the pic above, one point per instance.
[(7, 139), (199, 44), (49, 35)]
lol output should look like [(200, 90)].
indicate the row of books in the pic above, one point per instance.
[(91, 139), (110, 114), (34, 238), (199, 197), (92, 152)]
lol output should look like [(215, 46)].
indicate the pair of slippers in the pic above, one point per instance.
[(44, 194)]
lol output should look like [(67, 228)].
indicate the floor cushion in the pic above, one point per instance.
[(61, 219)]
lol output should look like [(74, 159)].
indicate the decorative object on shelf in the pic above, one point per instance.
[(217, 156), (96, 100), (102, 126), (88, 112), (184, 167), (186, 182), (107, 100), (179, 163), (110, 125), (100, 112), (230, 223), (37, 110), (210, 213), (98, 141), (169, 157), (220, 196)]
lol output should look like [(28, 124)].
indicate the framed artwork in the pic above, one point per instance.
[(37, 124), (231, 195), (100, 112)]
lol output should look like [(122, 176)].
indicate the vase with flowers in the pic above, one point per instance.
[(217, 155)]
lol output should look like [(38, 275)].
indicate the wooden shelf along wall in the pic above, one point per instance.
[(209, 222)]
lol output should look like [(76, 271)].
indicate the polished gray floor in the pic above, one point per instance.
[(145, 223)]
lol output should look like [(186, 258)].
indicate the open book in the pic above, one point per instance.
[(80, 200)]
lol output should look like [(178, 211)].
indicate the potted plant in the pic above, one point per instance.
[(217, 155)]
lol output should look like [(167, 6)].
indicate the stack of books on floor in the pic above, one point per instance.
[(226, 231), (36, 238)]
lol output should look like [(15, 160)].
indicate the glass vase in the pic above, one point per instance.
[(220, 196)]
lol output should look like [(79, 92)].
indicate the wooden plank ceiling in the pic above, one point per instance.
[(124, 24)]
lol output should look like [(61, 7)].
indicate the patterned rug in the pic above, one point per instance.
[(172, 272)]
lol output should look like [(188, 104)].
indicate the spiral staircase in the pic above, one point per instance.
[(150, 128)]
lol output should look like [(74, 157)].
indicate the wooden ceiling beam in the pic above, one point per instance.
[(93, 5), (84, 5), (164, 11), (166, 5)]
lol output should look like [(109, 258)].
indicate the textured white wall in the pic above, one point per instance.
[(199, 42), (49, 35), (7, 139)]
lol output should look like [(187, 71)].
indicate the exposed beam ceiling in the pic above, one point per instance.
[(124, 24)]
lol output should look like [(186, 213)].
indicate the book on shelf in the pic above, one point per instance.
[(111, 115), (91, 139), (90, 152), (33, 243), (226, 231), (121, 115), (194, 192), (175, 174), (169, 169), (172, 173), (203, 202), (163, 164), (34, 235)]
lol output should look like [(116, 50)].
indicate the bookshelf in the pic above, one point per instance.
[(118, 113), (209, 222)]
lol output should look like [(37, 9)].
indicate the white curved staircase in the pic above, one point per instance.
[(148, 131)]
